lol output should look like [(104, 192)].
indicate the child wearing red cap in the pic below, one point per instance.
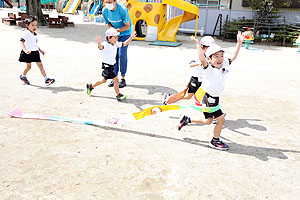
[(109, 49)]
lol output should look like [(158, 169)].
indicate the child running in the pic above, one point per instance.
[(31, 52), (215, 67), (109, 52), (196, 78)]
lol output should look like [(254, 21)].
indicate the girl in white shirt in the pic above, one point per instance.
[(31, 52)]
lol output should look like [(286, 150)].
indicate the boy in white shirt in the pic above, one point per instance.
[(196, 78), (109, 51), (215, 67)]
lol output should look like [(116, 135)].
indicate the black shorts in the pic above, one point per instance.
[(194, 85), (210, 101), (108, 71), (34, 56)]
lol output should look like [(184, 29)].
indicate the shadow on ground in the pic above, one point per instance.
[(56, 90), (261, 153)]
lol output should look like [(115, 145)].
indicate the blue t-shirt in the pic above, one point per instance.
[(118, 18)]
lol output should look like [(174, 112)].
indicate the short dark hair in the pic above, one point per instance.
[(30, 19)]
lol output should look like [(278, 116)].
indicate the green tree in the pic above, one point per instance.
[(34, 8), (268, 8)]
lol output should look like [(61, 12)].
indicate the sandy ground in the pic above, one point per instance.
[(147, 159)]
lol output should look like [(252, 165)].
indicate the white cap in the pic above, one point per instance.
[(111, 32), (207, 41), (214, 48)]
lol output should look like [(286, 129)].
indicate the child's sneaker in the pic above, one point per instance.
[(49, 81), (218, 144), (121, 97), (89, 88), (111, 84), (184, 121), (24, 79), (166, 98)]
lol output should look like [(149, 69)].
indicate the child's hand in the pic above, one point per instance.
[(133, 34), (27, 52), (98, 39), (42, 52), (240, 37), (193, 38)]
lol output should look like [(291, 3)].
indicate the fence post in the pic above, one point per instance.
[(225, 28), (284, 32)]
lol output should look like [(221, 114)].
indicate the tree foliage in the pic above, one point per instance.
[(268, 8)]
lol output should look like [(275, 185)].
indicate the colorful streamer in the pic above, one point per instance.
[(113, 120)]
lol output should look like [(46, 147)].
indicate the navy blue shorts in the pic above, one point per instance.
[(108, 71), (211, 101)]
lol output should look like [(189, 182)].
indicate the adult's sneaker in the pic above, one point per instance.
[(89, 88), (184, 121), (121, 97), (218, 144), (24, 79), (111, 84), (122, 83), (49, 81)]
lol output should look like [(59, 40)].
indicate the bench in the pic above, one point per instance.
[(22, 23), (55, 23), (297, 44), (11, 20), (65, 21)]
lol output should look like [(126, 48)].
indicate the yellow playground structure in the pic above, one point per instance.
[(153, 18)]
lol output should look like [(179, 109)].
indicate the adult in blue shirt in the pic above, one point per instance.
[(117, 16)]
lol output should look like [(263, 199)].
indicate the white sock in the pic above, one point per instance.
[(46, 78)]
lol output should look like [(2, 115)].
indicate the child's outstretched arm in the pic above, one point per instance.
[(98, 40), (132, 36), (42, 52), (200, 52), (239, 42)]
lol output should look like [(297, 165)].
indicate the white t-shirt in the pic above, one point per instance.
[(109, 52), (198, 70), (214, 79), (30, 41)]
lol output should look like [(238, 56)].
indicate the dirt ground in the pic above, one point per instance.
[(147, 159)]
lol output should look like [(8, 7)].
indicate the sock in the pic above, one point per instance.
[(46, 78), (23, 76), (92, 87), (118, 95), (215, 139)]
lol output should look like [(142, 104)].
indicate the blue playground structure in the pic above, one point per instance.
[(7, 2), (96, 10)]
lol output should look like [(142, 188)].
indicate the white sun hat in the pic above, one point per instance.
[(207, 41), (111, 32), (214, 48)]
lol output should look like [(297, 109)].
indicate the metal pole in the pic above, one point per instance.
[(284, 32), (196, 26)]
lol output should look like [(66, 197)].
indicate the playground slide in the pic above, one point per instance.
[(9, 4), (170, 28), (71, 6), (95, 10)]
